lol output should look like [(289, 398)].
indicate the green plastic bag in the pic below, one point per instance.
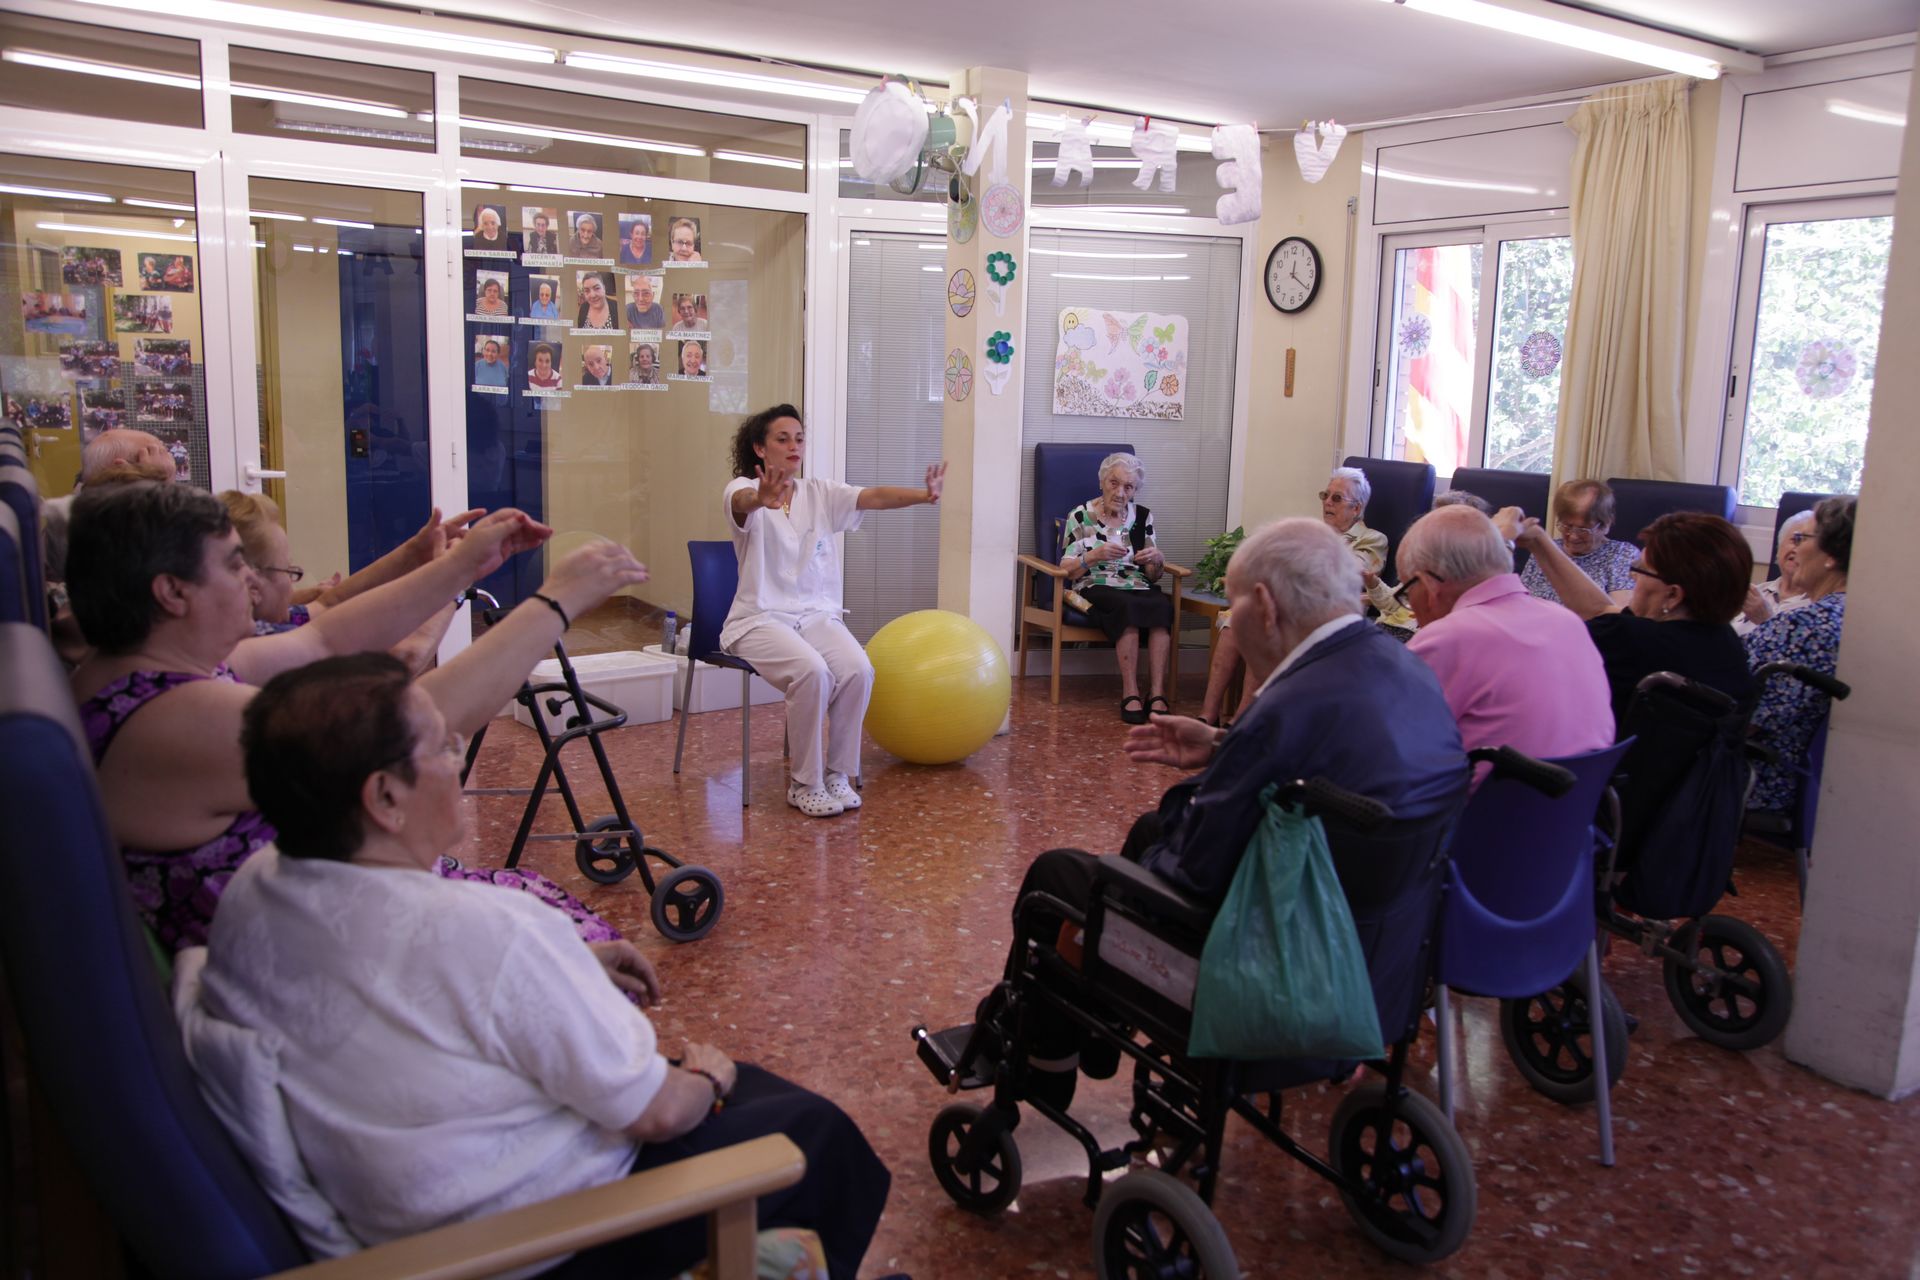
[(1282, 975)]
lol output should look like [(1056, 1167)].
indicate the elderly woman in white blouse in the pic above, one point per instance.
[(1787, 592)]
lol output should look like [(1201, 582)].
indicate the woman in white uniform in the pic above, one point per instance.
[(786, 612)]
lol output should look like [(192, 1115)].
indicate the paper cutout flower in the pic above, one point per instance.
[(959, 374), (1000, 347), (1001, 268), (1540, 353), (1825, 369), (1415, 332)]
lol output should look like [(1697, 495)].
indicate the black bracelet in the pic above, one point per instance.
[(566, 623), (719, 1096)]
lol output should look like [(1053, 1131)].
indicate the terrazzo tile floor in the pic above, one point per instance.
[(839, 935)]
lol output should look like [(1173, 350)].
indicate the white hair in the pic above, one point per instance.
[(1788, 525), (111, 448), (1308, 568), (1362, 489), (1454, 544), (1132, 463)]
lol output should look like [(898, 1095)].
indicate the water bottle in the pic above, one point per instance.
[(667, 633)]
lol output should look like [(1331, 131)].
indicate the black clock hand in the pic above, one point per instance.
[(1296, 277)]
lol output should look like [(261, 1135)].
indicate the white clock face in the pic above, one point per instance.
[(1292, 274)]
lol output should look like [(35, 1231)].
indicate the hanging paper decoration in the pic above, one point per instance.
[(1540, 353), (960, 294), (1825, 368), (959, 375), (1075, 155), (889, 129), (1155, 144), (1415, 332), (1239, 146), (1000, 347), (963, 219), (1002, 209), (1139, 374), (1315, 155)]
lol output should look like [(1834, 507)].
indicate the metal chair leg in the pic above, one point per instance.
[(746, 736), (1443, 1026), (1603, 1088), (686, 707)]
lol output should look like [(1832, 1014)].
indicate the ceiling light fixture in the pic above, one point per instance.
[(591, 139), (1466, 184), (169, 205), (751, 157), (319, 100), (1593, 33), (279, 217), (1872, 115), (130, 232), (321, 24), (57, 193), (111, 70), (345, 222), (714, 77)]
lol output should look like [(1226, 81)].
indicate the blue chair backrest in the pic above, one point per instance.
[(1518, 913), (1638, 503), (13, 570), (22, 497), (1064, 476), (716, 576), (1792, 503), (1806, 800), (99, 1030), (1531, 491), (1402, 493)]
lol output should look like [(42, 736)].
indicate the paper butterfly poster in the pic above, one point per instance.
[(1129, 364)]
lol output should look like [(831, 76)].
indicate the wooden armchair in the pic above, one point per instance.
[(1064, 623)]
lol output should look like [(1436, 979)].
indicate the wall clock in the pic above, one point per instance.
[(1293, 275)]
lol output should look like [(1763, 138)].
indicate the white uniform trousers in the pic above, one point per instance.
[(828, 681)]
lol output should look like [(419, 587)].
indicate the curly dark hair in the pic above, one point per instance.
[(754, 432)]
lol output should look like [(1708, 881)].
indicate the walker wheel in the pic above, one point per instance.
[(1405, 1175), (985, 1190), (1151, 1224), (1735, 992), (1550, 1039), (607, 860), (687, 903)]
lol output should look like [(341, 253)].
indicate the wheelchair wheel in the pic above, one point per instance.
[(986, 1190), (606, 860), (1406, 1176), (1550, 1039), (1150, 1224), (687, 903), (1739, 995)]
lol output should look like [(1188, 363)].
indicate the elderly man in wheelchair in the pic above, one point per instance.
[(1106, 951)]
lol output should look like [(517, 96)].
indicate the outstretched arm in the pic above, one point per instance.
[(422, 548), (1576, 590), (881, 497)]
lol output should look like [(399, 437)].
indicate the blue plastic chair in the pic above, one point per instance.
[(20, 495), (716, 576), (13, 570), (1638, 503), (1518, 914), (1531, 491)]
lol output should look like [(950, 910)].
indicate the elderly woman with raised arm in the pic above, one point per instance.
[(1583, 516)]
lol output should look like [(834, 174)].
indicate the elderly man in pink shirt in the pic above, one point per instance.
[(1516, 671)]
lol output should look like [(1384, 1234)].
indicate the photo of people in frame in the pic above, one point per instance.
[(101, 409), (543, 366), (539, 237), (163, 357), (643, 302), (583, 238), (163, 402), (90, 360), (490, 363), (689, 315), (82, 264), (636, 239), (166, 272), (692, 360), (643, 366), (136, 313), (683, 243), (595, 291), (543, 299), (490, 295), (489, 227), (176, 442), (39, 413), (54, 312), (596, 366)]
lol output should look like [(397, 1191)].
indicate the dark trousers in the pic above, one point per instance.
[(839, 1199)]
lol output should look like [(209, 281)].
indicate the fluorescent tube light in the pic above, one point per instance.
[(932, 267), (749, 157), (56, 193), (171, 206), (319, 100), (115, 231), (345, 222), (321, 24), (278, 217), (1872, 115), (1466, 184), (592, 139), (303, 248), (111, 70), (477, 185), (1592, 33), (714, 77)]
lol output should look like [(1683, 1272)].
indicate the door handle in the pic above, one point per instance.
[(255, 475)]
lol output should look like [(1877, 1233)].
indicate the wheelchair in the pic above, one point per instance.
[(1400, 1168), (686, 902), (1673, 822)]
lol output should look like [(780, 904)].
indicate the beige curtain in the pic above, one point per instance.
[(1620, 385)]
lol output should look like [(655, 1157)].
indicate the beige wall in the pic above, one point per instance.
[(297, 343)]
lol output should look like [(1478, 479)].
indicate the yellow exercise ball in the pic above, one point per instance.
[(940, 687)]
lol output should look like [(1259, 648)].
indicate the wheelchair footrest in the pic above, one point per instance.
[(943, 1052)]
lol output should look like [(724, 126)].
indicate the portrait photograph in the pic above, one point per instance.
[(489, 227), (163, 357), (163, 401), (596, 365), (540, 231), (136, 313), (683, 243), (636, 239), (584, 235), (166, 272), (689, 314), (643, 366), (90, 360), (595, 291), (490, 354), (543, 366), (82, 264), (543, 299), (644, 310), (490, 295), (54, 312), (691, 360)]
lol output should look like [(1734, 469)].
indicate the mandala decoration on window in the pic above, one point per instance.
[(1540, 353), (1825, 369), (1415, 332)]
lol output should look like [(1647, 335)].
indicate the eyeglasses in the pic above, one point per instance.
[(1327, 495), (1566, 528), (293, 571), (455, 746), (1795, 539), (1406, 585), (1641, 569)]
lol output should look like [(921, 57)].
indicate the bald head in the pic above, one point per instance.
[(1447, 553), (125, 450)]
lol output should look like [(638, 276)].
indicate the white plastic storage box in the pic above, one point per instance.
[(640, 684), (716, 688)]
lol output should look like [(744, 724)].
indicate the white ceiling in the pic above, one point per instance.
[(1272, 61)]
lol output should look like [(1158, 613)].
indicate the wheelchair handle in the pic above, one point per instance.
[(1331, 800), (1837, 689), (1550, 780), (1705, 697)]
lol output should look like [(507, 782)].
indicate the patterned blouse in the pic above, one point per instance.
[(1606, 564), (1085, 530), (1789, 712)]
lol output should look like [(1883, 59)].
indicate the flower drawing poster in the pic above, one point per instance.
[(1120, 364)]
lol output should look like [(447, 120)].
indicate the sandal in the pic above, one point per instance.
[(1138, 716), (1165, 709)]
